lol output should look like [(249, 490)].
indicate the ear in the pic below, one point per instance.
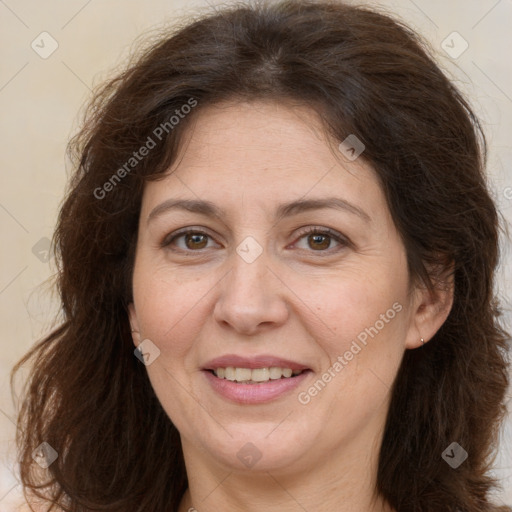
[(134, 324), (430, 308)]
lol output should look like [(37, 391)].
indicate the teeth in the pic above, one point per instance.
[(260, 374), (242, 374), (275, 373), (255, 375)]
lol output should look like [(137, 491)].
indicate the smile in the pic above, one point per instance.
[(255, 375), (250, 391)]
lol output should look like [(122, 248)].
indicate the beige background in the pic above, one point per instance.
[(40, 100)]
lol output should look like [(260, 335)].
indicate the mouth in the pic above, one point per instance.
[(254, 380)]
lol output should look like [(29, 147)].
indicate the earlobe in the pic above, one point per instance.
[(432, 308), (134, 324)]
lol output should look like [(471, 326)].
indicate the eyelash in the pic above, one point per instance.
[(344, 242)]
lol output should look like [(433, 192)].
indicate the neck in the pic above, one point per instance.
[(343, 482)]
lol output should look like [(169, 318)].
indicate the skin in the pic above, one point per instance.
[(303, 298)]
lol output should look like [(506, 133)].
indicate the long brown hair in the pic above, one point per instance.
[(90, 399)]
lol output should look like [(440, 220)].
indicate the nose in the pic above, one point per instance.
[(252, 297)]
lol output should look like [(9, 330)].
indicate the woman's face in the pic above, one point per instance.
[(252, 288)]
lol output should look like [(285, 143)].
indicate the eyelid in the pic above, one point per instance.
[(185, 231), (342, 240)]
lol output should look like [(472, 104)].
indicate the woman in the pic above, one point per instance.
[(277, 263)]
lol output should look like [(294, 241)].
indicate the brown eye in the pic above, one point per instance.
[(189, 240), (196, 240), (319, 241)]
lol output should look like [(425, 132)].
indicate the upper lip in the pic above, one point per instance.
[(261, 361)]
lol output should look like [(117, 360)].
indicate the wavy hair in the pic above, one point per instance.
[(366, 73)]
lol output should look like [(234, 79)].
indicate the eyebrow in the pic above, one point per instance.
[(283, 210)]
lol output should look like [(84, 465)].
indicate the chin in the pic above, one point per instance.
[(260, 447)]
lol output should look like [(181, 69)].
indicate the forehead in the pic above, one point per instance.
[(278, 134), (263, 152)]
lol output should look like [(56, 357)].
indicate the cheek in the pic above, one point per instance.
[(170, 307), (360, 324), (355, 306)]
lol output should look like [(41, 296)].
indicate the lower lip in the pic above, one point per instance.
[(255, 393)]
